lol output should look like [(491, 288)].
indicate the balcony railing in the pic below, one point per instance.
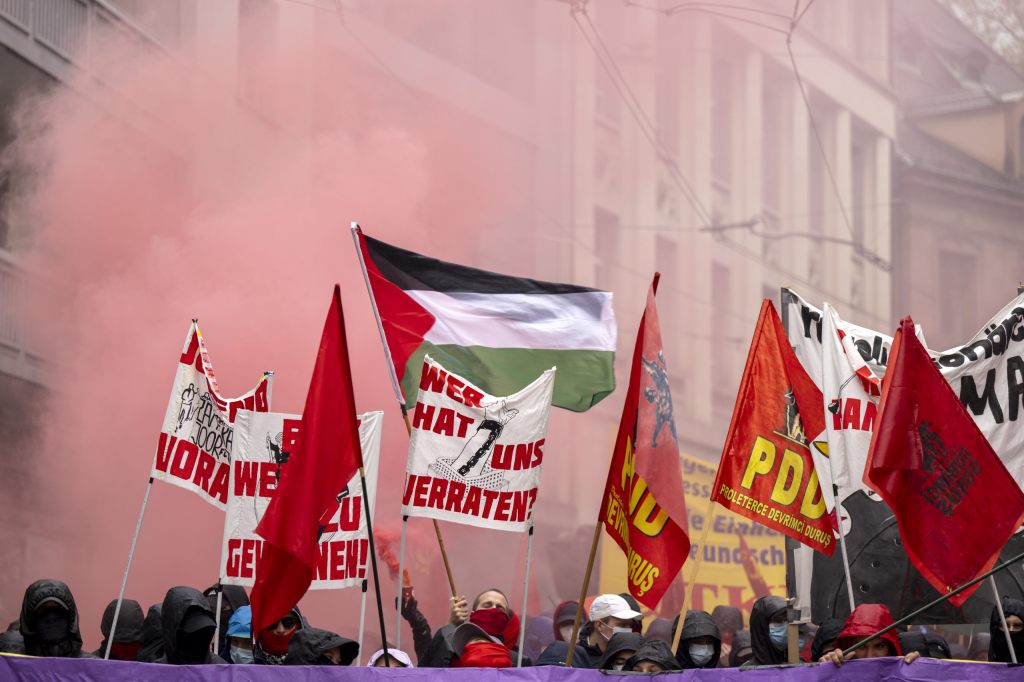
[(16, 356)]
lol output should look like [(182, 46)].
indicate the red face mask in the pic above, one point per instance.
[(273, 643), (124, 651), (491, 621)]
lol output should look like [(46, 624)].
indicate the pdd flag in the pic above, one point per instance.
[(326, 456), (767, 472), (497, 331), (475, 458), (954, 501), (643, 508), (194, 449), (263, 446)]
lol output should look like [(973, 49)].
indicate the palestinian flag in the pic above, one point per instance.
[(499, 332)]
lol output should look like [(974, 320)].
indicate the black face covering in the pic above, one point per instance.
[(323, 660), (195, 647), (53, 626)]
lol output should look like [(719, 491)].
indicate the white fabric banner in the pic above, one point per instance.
[(194, 449), (262, 445), (475, 458)]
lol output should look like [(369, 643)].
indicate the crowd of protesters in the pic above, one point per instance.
[(483, 633)]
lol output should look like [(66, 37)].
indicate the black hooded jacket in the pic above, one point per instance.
[(234, 598), (929, 645), (37, 594), (765, 652), (557, 652), (129, 624), (308, 645), (998, 651), (621, 641), (177, 603), (152, 636), (740, 643), (825, 638), (697, 624), (653, 650)]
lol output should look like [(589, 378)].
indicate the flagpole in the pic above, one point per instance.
[(842, 545), (908, 618), (128, 568), (373, 560), (362, 622), (526, 593), (356, 231), (691, 583), (217, 623), (1002, 619), (583, 594), (401, 583)]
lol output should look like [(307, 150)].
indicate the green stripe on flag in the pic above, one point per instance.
[(583, 378)]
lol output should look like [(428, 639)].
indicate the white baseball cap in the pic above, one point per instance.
[(614, 606), (396, 654)]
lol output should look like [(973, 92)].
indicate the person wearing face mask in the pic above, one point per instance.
[(127, 634), (620, 649), (700, 645), (563, 617), (729, 620), (313, 646), (609, 615), (271, 646), (188, 628), (998, 649), (487, 640), (866, 620), (239, 637), (768, 631), (232, 598), (49, 621), (441, 650)]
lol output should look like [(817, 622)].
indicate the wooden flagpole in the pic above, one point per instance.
[(583, 594), (688, 592)]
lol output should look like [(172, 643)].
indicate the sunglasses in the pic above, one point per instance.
[(288, 622)]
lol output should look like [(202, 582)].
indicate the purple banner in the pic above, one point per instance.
[(20, 668)]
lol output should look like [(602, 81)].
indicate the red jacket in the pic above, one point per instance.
[(866, 620)]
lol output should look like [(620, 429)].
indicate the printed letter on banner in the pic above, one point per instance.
[(475, 458), (194, 448), (263, 444)]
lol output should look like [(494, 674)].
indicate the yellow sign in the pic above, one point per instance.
[(727, 574)]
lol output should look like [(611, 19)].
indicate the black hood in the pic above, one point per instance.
[(235, 596), (308, 645), (740, 642), (621, 641), (152, 636), (44, 591), (765, 652), (698, 624), (177, 602), (129, 621), (557, 652), (727, 618), (998, 651), (654, 650), (825, 638), (929, 645)]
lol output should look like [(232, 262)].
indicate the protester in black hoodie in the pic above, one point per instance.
[(127, 634), (621, 647), (152, 635), (768, 631), (653, 656), (741, 651), (188, 628), (234, 597), (998, 650), (825, 638), (49, 621), (313, 646), (700, 645)]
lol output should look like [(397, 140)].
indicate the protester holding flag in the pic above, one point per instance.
[(865, 621), (999, 648), (439, 653)]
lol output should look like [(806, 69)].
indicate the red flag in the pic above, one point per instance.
[(643, 507), (767, 472), (324, 460), (954, 500)]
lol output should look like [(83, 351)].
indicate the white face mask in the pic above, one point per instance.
[(618, 666), (566, 631), (240, 655), (701, 653)]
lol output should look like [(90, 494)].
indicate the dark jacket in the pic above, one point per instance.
[(617, 644), (654, 650), (740, 645), (765, 652), (557, 652), (697, 624), (234, 598), (582, 641), (152, 636), (177, 603), (998, 651), (129, 624), (727, 618), (420, 627), (439, 652), (928, 644), (11, 642), (308, 645), (866, 620), (45, 591), (825, 638)]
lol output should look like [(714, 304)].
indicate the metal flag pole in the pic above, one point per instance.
[(216, 631), (1002, 619), (356, 231), (526, 593), (373, 562), (128, 568), (401, 584), (842, 546), (362, 621)]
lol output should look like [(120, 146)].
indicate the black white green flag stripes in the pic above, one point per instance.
[(497, 331)]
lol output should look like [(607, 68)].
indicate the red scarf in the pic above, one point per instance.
[(483, 655)]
